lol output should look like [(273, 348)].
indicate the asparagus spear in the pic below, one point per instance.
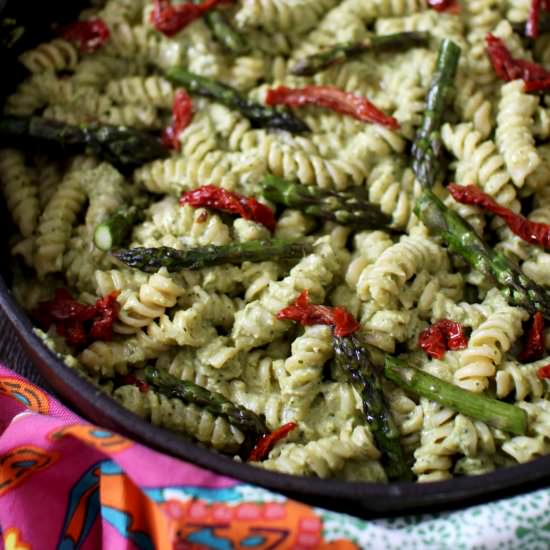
[(113, 231), (462, 239), (345, 207), (119, 145), (258, 114), (215, 403), (343, 52), (480, 407), (224, 33), (353, 358), (151, 260), (428, 148)]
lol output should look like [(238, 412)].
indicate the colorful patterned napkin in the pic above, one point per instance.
[(66, 484)]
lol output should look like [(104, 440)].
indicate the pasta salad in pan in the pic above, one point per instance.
[(309, 234)]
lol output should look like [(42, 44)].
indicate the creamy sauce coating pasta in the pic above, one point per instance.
[(217, 326)]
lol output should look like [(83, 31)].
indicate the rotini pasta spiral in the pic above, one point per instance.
[(57, 55), (175, 415), (486, 347), (175, 175), (474, 106), (110, 358), (283, 15), (324, 456), (408, 415), (181, 226), (520, 380), (395, 189), (143, 43), (154, 297), (397, 265), (304, 367), (19, 189), (514, 133), (138, 90), (256, 324), (56, 224), (433, 457), (480, 163), (196, 325)]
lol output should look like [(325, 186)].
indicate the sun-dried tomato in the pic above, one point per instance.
[(78, 323), (544, 372), (508, 68), (307, 314), (73, 331), (169, 19), (442, 336), (89, 35), (533, 348), (449, 6), (331, 98), (532, 232), (218, 198), (532, 27), (62, 307), (182, 115), (267, 442), (107, 310), (133, 380)]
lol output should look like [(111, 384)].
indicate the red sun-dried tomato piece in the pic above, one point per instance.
[(442, 336), (88, 35), (331, 98), (61, 308), (217, 198), (133, 380), (532, 26), (508, 68), (533, 348), (267, 442), (449, 6), (78, 323), (169, 19), (544, 372), (306, 314), (182, 115), (107, 310), (532, 232)]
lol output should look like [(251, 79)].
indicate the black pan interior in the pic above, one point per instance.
[(360, 499)]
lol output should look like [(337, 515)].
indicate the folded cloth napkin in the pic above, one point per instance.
[(67, 484)]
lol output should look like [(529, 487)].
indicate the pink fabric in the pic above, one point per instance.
[(78, 486)]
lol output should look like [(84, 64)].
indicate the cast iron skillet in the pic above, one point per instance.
[(360, 499)]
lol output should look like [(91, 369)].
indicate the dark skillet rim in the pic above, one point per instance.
[(370, 497)]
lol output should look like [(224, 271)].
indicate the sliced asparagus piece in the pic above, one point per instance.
[(113, 232), (352, 357), (428, 148), (119, 145), (341, 53), (151, 260), (240, 417), (345, 207), (224, 33), (498, 414), (259, 115), (462, 239)]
